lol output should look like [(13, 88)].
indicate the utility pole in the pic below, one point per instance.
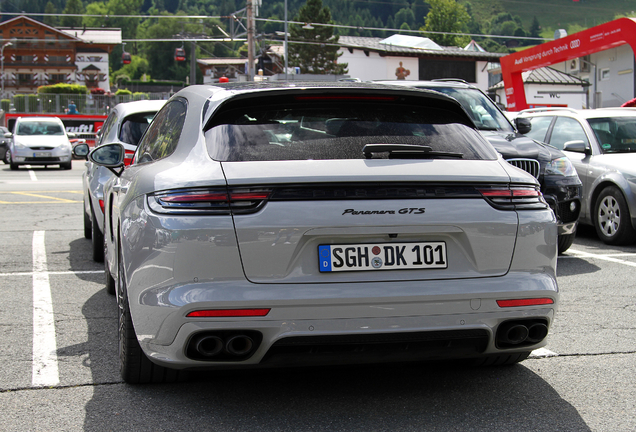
[(250, 40), (193, 63)]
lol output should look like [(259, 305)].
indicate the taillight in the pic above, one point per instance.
[(213, 313), (128, 157), (525, 302), (217, 201), (101, 205), (514, 198)]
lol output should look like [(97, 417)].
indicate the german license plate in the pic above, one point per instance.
[(42, 154), (382, 256)]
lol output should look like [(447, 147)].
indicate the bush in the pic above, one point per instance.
[(123, 92), (61, 88), (140, 96), (5, 104)]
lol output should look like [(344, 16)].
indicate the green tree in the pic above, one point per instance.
[(72, 7), (317, 51), (447, 16), (51, 20), (535, 28)]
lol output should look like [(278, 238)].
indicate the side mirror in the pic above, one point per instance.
[(81, 151), (110, 156), (8, 135), (523, 125), (577, 146)]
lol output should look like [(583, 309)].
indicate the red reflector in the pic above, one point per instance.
[(524, 302), (101, 205), (229, 313), (351, 98)]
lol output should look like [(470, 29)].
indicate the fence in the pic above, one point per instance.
[(58, 103)]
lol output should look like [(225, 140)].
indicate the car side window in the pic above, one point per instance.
[(162, 137), (107, 127), (540, 127), (567, 129)]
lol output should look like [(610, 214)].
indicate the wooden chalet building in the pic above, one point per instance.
[(36, 54)]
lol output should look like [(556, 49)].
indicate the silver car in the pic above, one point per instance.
[(601, 143), (39, 141), (290, 224), (125, 124)]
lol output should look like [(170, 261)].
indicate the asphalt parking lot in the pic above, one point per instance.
[(60, 365)]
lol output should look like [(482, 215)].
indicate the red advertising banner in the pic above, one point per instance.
[(602, 37)]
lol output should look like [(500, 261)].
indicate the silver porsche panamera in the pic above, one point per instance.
[(279, 225)]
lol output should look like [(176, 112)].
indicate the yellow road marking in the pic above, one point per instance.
[(38, 194)]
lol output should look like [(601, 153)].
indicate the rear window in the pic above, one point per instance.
[(134, 126), (338, 130)]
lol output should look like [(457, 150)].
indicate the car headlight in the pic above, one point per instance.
[(560, 166), (19, 145)]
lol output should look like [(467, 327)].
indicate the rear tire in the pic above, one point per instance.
[(134, 366), (565, 241), (611, 218), (98, 240), (88, 234)]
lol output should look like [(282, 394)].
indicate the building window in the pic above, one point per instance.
[(79, 58), (57, 78), (57, 59), (435, 69), (25, 79), (604, 74), (24, 59), (96, 59)]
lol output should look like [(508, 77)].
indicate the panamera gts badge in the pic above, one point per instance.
[(411, 210)]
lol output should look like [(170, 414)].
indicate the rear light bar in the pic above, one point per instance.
[(525, 302), (216, 201), (215, 313), (514, 198)]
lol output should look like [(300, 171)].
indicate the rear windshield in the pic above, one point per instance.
[(134, 127), (39, 128), (338, 131)]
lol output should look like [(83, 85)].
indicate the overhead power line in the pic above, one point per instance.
[(359, 28)]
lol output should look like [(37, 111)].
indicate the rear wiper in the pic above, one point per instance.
[(406, 151)]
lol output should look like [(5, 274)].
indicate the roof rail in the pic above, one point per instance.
[(451, 80), (534, 110)]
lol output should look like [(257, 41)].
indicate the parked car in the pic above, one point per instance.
[(560, 185), (39, 141), (601, 143), (125, 124), (320, 224), (5, 155)]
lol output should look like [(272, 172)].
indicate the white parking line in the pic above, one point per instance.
[(45, 372), (32, 175), (607, 257)]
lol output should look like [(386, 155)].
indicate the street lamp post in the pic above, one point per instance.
[(2, 67)]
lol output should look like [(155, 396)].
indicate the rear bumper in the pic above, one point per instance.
[(414, 327)]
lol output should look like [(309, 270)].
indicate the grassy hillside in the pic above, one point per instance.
[(555, 14)]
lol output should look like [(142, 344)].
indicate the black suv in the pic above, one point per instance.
[(560, 184)]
